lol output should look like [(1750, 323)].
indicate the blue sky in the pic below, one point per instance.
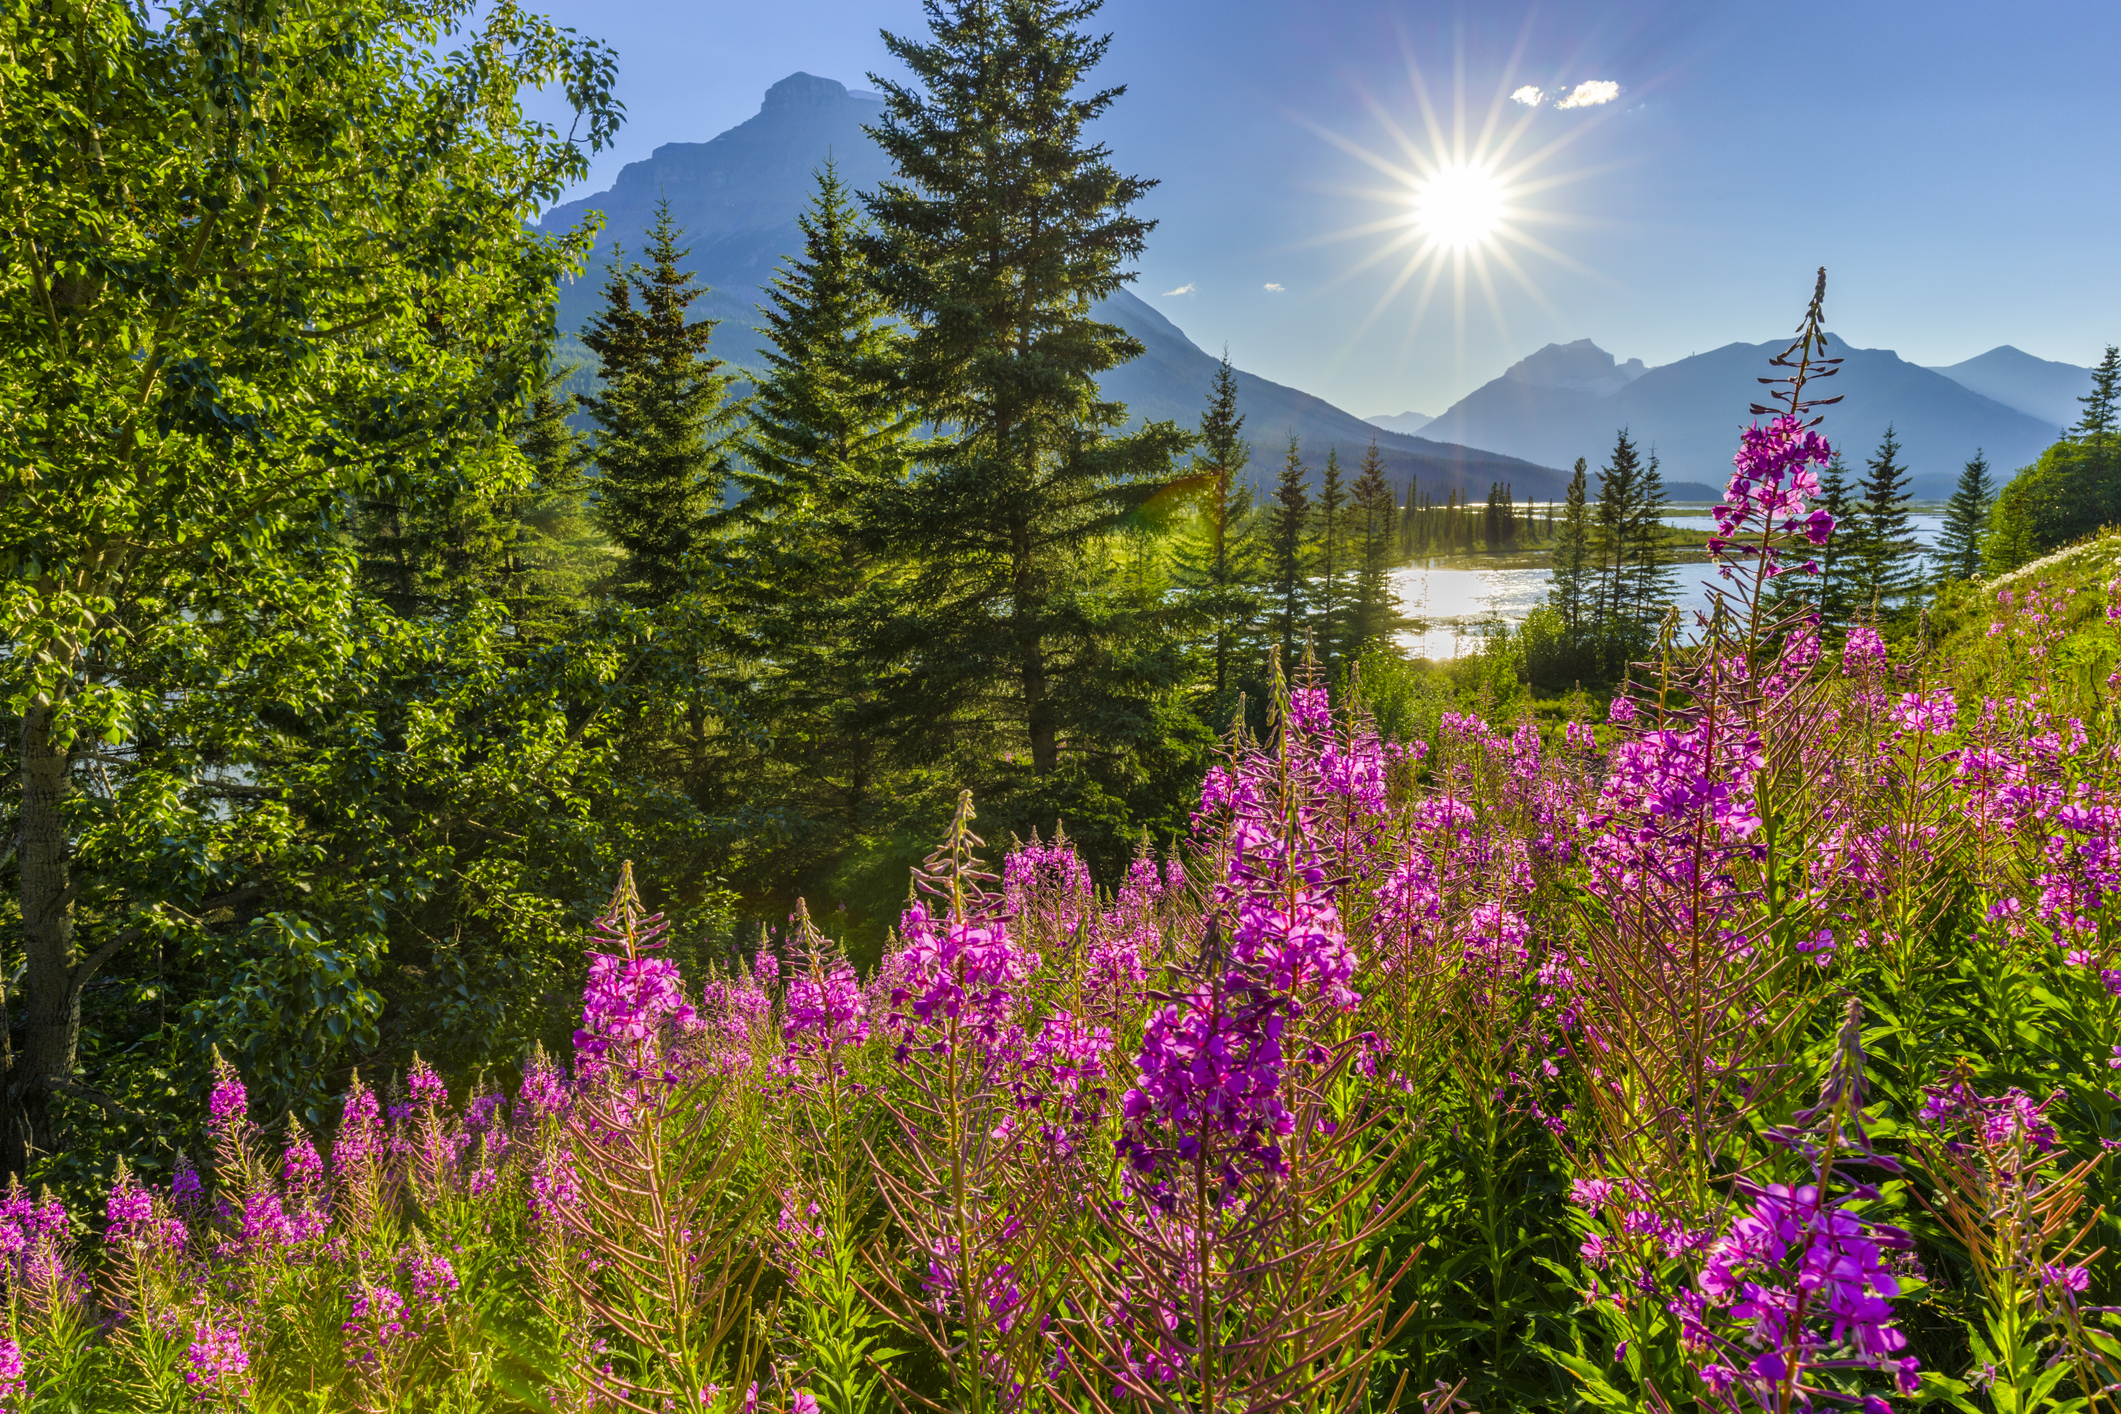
[(1953, 165)]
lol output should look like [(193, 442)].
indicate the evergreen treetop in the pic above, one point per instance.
[(1217, 572), (663, 418), (1573, 591), (1290, 521), (2100, 403), (1884, 557), (1374, 521), (1966, 520)]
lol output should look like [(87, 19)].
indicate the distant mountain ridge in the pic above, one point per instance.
[(737, 197), (1409, 422), (1568, 401), (2037, 387)]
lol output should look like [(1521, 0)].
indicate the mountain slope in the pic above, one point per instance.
[(2037, 387), (1690, 412), (737, 198)]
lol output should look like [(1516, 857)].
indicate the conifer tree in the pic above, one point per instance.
[(1372, 523), (829, 437), (1574, 591), (1410, 519), (1966, 520), (1883, 559), (2100, 433), (1216, 573), (1618, 490), (556, 555), (1650, 578), (2100, 404), (1287, 535), (1000, 229), (663, 418), (1329, 533), (1836, 597)]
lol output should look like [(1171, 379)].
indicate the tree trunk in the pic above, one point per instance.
[(51, 1013)]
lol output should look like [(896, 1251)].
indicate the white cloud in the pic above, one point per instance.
[(1590, 95), (1185, 289), (1272, 287), (1529, 96)]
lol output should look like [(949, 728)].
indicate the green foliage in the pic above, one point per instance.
[(2062, 497), (800, 568), (1571, 595), (269, 257)]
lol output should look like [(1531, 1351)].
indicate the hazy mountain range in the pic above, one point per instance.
[(737, 197), (1567, 400)]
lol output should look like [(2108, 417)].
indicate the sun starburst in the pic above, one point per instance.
[(1459, 198)]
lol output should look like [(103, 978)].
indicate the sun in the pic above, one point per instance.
[(1459, 206), (1458, 200)]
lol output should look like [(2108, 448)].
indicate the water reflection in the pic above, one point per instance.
[(1455, 606)]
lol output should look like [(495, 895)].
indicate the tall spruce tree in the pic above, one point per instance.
[(1883, 558), (2103, 403), (1966, 520), (1650, 580), (1289, 524), (1410, 519), (1573, 594), (1619, 487), (1329, 555), (829, 437), (1372, 525), (1216, 573), (1837, 497), (1001, 228), (555, 552), (663, 417), (2100, 432)]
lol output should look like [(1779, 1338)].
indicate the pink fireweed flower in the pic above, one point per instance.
[(376, 1319), (1298, 944), (825, 1009), (964, 972), (12, 1383), (130, 1209), (217, 1358), (1766, 505), (359, 1145), (627, 1004), (2068, 1279), (1933, 713), (185, 1189), (227, 1110), (1209, 1088), (430, 1275), (1864, 651), (543, 1093)]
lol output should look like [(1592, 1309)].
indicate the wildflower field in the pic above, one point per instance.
[(1748, 1049)]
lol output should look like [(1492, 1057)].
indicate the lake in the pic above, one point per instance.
[(1458, 604)]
